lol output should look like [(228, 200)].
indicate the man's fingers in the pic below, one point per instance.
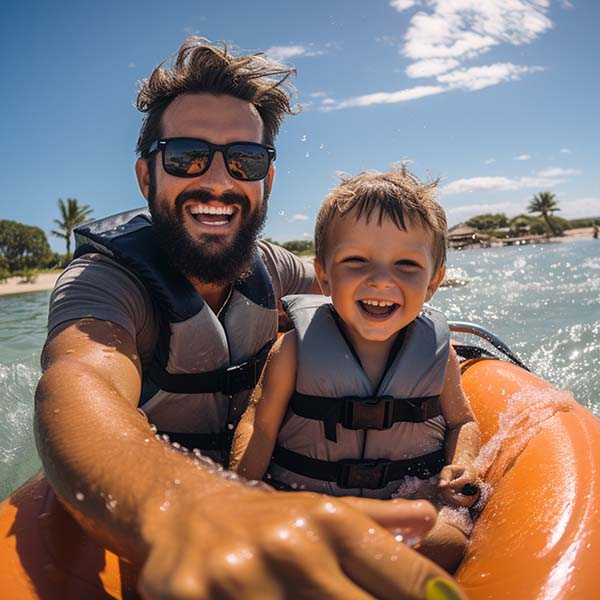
[(390, 570), (409, 518)]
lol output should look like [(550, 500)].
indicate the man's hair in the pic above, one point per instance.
[(200, 66), (397, 195)]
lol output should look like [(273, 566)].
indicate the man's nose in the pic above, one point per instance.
[(217, 176)]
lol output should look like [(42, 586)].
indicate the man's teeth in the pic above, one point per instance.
[(378, 303), (212, 210)]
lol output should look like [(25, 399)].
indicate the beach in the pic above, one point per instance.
[(41, 283), (46, 281)]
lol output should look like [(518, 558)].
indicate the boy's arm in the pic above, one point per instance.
[(257, 431), (462, 439)]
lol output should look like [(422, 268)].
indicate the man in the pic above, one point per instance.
[(173, 314)]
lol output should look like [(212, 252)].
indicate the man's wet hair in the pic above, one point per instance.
[(397, 195), (200, 66)]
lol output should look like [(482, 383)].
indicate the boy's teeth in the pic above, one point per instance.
[(377, 302)]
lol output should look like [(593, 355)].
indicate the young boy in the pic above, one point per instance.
[(366, 389)]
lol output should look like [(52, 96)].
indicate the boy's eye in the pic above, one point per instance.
[(354, 259), (409, 265)]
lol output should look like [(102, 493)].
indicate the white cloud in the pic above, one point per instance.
[(382, 98), (401, 5), (283, 53), (522, 157), (489, 161), (565, 151), (558, 172), (318, 95), (498, 184), (298, 217), (131, 65), (431, 67), (467, 28), (580, 208), (477, 78)]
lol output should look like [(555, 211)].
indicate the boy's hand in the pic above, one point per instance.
[(453, 479)]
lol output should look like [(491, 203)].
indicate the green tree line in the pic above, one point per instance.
[(25, 248)]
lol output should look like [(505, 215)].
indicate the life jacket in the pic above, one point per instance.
[(341, 436), (196, 386)]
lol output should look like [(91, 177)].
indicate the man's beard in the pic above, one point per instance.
[(210, 259)]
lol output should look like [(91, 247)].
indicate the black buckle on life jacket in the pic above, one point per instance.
[(371, 475), (367, 413), (241, 377)]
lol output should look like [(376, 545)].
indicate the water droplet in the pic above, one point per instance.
[(153, 428), (230, 426), (69, 351), (303, 138), (322, 146), (371, 531), (330, 508), (56, 411), (399, 538), (80, 496), (299, 523), (165, 505), (307, 155), (108, 349), (146, 440)]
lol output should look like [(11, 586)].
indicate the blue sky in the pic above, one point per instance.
[(496, 98)]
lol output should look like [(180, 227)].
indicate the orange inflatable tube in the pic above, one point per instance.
[(537, 537)]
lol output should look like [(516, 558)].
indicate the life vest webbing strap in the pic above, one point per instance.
[(201, 441), (379, 412), (360, 473), (228, 380)]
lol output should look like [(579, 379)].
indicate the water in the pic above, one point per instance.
[(543, 301)]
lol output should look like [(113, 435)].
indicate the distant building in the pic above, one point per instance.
[(463, 236)]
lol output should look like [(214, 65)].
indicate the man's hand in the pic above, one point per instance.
[(244, 543), (453, 479)]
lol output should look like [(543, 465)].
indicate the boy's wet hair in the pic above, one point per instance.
[(200, 66), (397, 195)]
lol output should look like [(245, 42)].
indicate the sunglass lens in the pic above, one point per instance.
[(247, 161), (186, 158)]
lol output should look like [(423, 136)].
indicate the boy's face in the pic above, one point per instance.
[(378, 276)]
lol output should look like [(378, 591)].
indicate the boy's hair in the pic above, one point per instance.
[(200, 66), (397, 195)]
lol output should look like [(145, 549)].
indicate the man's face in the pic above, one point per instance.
[(207, 225)]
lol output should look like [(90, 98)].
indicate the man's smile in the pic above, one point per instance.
[(214, 215)]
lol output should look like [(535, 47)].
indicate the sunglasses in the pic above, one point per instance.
[(190, 157)]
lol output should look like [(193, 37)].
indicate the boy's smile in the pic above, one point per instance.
[(378, 276)]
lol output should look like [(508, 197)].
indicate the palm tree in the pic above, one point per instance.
[(73, 214), (544, 203)]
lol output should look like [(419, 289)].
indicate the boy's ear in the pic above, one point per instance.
[(435, 283), (142, 172), (322, 278)]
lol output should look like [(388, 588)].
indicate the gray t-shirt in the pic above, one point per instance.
[(96, 286)]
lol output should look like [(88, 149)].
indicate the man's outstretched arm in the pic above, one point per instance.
[(192, 532)]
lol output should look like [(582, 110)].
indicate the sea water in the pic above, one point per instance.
[(543, 301)]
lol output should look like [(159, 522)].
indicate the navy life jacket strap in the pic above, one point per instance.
[(228, 380), (379, 412), (360, 473), (202, 441)]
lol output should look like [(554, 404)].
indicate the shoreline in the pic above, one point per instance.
[(46, 281)]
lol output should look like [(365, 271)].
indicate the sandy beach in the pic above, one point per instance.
[(46, 281), (16, 285)]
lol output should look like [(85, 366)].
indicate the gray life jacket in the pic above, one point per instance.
[(341, 436), (204, 366)]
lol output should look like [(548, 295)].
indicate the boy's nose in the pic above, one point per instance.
[(381, 278)]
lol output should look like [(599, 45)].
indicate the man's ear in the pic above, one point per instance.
[(435, 283), (142, 172), (322, 278)]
